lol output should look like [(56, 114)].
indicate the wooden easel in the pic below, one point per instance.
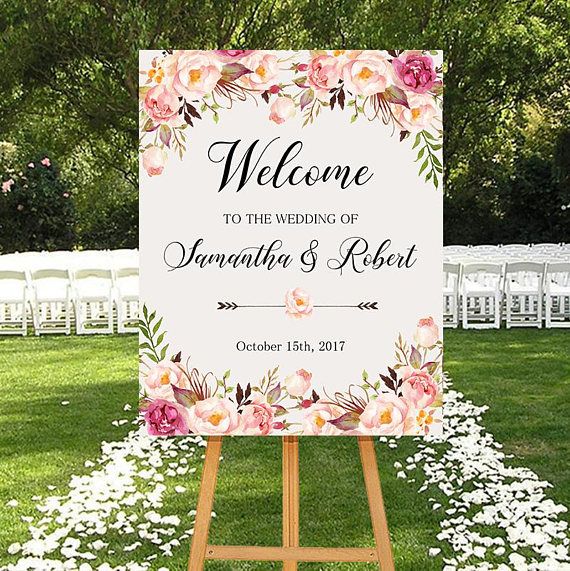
[(290, 552)]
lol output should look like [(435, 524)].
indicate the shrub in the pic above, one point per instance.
[(36, 209)]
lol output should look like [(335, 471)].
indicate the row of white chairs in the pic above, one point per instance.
[(97, 289), (483, 294), (51, 291)]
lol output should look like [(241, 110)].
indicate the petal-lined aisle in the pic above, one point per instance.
[(493, 515)]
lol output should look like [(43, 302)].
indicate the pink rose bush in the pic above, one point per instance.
[(401, 88), (298, 303), (406, 400)]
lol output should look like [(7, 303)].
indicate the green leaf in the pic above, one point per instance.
[(364, 375), (157, 326), (421, 153), (145, 346), (423, 167), (417, 141), (160, 338)]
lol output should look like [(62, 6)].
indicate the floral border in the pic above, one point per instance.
[(402, 89), (176, 399)]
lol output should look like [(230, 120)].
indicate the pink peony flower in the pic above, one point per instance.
[(161, 377), (264, 67), (418, 116), (316, 419), (419, 389), (196, 75), (427, 333), (414, 71), (7, 185), (282, 108), (299, 383), (214, 416), (384, 415), (257, 417), (368, 74), (161, 104), (46, 162), (232, 55), (323, 74), (154, 159), (298, 303), (164, 418)]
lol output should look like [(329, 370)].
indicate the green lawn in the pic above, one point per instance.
[(523, 375)]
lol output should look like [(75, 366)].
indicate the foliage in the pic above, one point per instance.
[(70, 82), (36, 209)]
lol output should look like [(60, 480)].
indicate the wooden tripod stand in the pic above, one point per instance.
[(290, 552)]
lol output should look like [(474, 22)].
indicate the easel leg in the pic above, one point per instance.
[(205, 504), (290, 497), (376, 503)]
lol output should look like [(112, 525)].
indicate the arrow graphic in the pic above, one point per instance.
[(364, 305)]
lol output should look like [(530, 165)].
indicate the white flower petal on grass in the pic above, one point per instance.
[(125, 479), (505, 505), (12, 503), (64, 402)]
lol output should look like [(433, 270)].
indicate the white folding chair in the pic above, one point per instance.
[(127, 297), (523, 294), (557, 290), (13, 303), (51, 301), (451, 280), (93, 299), (481, 296)]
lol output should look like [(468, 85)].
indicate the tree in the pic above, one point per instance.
[(70, 75)]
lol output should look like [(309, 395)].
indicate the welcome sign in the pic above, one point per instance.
[(291, 238)]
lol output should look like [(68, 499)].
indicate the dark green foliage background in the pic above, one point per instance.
[(70, 78), (39, 212)]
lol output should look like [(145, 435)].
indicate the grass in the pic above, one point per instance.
[(523, 375)]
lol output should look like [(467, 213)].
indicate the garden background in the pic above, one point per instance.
[(70, 80)]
